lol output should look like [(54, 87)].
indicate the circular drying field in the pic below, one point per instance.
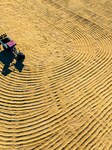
[(61, 96)]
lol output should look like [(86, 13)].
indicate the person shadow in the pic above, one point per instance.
[(7, 58)]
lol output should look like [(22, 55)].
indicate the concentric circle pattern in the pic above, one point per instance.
[(60, 98)]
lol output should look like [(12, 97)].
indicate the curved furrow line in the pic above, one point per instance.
[(97, 64), (72, 13), (64, 103), (70, 60), (51, 117), (26, 93), (75, 139), (25, 105), (19, 80), (71, 83), (24, 108), (90, 72), (92, 105), (90, 129), (108, 57), (89, 106)]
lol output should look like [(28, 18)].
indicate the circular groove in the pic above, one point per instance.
[(62, 97)]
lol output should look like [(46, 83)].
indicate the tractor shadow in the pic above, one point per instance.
[(7, 58)]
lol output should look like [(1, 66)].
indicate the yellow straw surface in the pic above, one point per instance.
[(62, 98)]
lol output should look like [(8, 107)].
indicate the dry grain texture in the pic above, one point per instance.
[(62, 99)]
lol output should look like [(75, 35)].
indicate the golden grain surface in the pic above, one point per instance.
[(62, 99)]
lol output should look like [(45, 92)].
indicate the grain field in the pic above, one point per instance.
[(60, 98)]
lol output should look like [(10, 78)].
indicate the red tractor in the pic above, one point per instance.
[(9, 45)]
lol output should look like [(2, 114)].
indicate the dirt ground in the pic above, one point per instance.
[(60, 97)]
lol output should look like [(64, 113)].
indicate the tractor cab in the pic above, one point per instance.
[(9, 44), (6, 42)]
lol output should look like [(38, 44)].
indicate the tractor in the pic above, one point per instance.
[(9, 45)]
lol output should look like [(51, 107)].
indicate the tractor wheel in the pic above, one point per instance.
[(4, 48)]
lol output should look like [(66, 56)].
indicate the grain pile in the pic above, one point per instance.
[(62, 98)]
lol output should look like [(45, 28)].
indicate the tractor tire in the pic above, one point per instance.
[(4, 48)]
